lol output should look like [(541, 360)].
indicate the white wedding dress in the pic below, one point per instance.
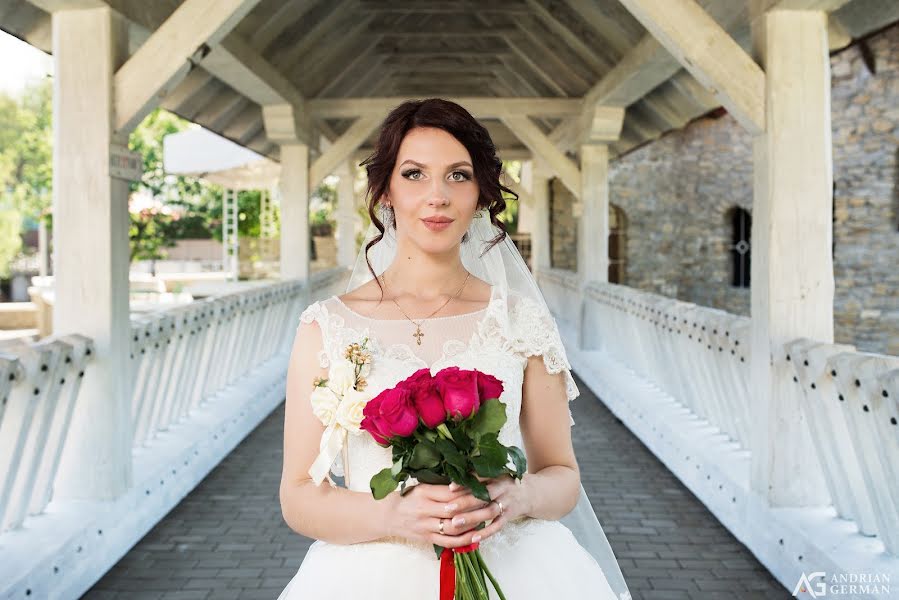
[(530, 558)]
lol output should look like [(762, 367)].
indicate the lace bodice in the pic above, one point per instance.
[(496, 339)]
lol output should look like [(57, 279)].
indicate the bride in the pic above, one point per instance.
[(437, 283)]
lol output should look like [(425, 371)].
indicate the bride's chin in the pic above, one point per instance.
[(437, 245)]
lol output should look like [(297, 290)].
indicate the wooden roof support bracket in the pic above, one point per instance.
[(709, 54), (166, 56)]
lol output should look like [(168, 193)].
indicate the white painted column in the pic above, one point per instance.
[(535, 178), (90, 233), (792, 271), (593, 225), (294, 211), (43, 245), (526, 205), (346, 215)]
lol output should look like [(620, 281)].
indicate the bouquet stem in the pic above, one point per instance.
[(469, 571)]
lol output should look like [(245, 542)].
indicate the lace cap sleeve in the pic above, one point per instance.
[(318, 313), (535, 333)]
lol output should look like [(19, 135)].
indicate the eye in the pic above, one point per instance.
[(407, 174), (465, 176)]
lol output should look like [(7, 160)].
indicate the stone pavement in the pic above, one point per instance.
[(227, 538)]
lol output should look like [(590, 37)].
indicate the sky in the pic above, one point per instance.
[(20, 63)]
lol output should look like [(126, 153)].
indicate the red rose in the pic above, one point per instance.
[(459, 390), (397, 412), (372, 421), (489, 386), (426, 398)]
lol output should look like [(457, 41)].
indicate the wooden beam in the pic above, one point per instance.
[(519, 46), (237, 64), (792, 275), (289, 55), (540, 145), (349, 67), (823, 5), (480, 107), (709, 53), (343, 147), (164, 58), (289, 11), (574, 40)]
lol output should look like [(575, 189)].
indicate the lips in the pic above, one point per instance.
[(437, 223)]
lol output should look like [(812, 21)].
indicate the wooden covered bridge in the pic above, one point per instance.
[(790, 440)]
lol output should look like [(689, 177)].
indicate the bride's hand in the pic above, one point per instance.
[(416, 516), (503, 489)]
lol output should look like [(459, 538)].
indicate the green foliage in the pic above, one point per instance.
[(26, 152), (10, 240)]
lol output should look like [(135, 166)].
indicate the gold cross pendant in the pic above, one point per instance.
[(418, 334)]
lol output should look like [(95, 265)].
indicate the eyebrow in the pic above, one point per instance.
[(455, 164)]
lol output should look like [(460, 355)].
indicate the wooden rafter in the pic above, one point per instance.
[(709, 53)]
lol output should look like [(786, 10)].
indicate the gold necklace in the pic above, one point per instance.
[(418, 332)]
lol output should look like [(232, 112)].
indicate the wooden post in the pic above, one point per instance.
[(593, 226), (346, 216), (540, 236), (90, 235), (792, 271), (294, 211)]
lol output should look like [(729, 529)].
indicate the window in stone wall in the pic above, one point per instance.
[(741, 225), (617, 245)]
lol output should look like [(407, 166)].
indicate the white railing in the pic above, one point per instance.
[(700, 356), (850, 401), (181, 357), (38, 389)]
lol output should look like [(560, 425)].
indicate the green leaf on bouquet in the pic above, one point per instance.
[(478, 489), (521, 463), (451, 454), (429, 476), (492, 457), (424, 456), (485, 468), (396, 468), (490, 418), (382, 483)]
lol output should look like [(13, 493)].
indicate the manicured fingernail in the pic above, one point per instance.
[(475, 538), (454, 486), (458, 520), (450, 507)]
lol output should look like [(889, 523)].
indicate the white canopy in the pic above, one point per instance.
[(198, 152)]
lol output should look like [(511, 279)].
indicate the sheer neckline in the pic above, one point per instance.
[(466, 314)]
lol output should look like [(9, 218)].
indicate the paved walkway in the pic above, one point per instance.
[(227, 538)]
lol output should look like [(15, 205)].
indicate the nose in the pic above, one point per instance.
[(439, 193)]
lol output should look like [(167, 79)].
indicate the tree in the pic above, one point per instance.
[(26, 151)]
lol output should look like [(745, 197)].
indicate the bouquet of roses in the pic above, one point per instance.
[(444, 428)]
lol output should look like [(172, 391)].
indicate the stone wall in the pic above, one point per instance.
[(676, 192)]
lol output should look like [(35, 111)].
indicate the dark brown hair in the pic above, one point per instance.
[(458, 122)]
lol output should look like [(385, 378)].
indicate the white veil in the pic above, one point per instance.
[(503, 267)]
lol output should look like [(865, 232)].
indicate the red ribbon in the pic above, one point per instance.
[(448, 569)]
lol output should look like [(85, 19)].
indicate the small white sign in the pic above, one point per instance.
[(125, 164)]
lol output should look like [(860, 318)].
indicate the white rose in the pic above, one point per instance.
[(342, 377), (349, 413), (324, 404)]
